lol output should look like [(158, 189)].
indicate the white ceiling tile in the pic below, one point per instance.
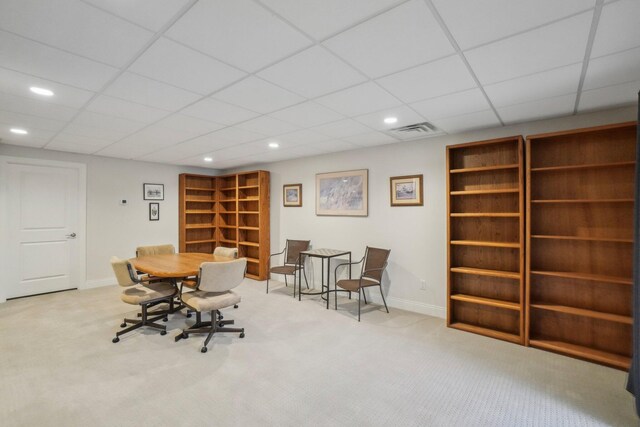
[(468, 101), (477, 22), (551, 46), (188, 125), (371, 139), (180, 151), (267, 126), (612, 69), (90, 121), (122, 150), (124, 109), (37, 138), (16, 83), (19, 54), (151, 14), (312, 72), (465, 122), (235, 135), (321, 19), (618, 28), (155, 138), (538, 110), (610, 96), (448, 75), (335, 145), (185, 68), (218, 112), (142, 90), (405, 115), (258, 95), (161, 156), (206, 143), (106, 133), (91, 143), (300, 137), (362, 99), (259, 38), (403, 37), (342, 128), (72, 148), (29, 122), (36, 107), (76, 27), (547, 84), (307, 114)]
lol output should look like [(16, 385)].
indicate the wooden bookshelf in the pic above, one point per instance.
[(485, 213), (579, 232), (230, 210)]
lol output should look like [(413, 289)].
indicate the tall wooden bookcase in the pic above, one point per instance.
[(486, 238), (229, 210), (580, 198)]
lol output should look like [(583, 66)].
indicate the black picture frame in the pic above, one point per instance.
[(153, 191), (154, 211)]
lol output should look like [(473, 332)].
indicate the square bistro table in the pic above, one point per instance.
[(323, 254)]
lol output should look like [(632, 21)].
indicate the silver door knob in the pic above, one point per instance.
[(71, 236)]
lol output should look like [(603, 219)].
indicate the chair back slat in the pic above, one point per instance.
[(155, 250), (294, 247), (122, 271), (375, 258), (226, 252), (221, 276)]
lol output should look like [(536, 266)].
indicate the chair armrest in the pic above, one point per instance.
[(272, 255), (335, 273)]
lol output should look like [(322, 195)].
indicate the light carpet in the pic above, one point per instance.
[(299, 364)]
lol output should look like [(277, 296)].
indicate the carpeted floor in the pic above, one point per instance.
[(299, 364)]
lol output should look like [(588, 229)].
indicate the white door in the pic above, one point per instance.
[(44, 208)]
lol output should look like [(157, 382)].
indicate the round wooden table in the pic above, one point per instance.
[(174, 266)]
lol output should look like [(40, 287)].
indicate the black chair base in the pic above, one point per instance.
[(146, 320), (209, 327)]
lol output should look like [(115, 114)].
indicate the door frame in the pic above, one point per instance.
[(81, 241)]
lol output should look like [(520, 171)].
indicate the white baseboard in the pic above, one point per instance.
[(409, 305), (90, 284)]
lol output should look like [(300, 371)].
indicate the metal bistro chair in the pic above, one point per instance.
[(374, 263), (291, 253)]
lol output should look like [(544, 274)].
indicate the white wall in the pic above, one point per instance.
[(415, 235), (113, 229)]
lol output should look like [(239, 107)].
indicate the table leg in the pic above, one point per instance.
[(329, 281)]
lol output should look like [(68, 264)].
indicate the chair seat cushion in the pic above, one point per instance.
[(284, 269), (139, 294), (208, 301), (353, 284)]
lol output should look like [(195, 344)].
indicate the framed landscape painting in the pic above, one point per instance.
[(292, 195), (406, 190), (342, 193)]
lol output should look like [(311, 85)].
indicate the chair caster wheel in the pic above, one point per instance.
[(241, 334), (115, 340), (163, 332), (203, 350), (188, 315), (235, 306), (221, 325), (185, 335), (123, 324), (220, 317), (166, 319)]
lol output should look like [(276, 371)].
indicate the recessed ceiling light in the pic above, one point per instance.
[(41, 91), (208, 159), (391, 120), (274, 145), (18, 131)]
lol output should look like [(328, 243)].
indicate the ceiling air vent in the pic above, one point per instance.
[(417, 130)]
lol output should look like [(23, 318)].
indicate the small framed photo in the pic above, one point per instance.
[(406, 190), (292, 195), (154, 211), (153, 191)]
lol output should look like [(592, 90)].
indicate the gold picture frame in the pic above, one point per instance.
[(406, 190), (292, 195)]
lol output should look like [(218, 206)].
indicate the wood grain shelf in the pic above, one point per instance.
[(228, 200), (227, 212), (249, 199), (249, 228), (579, 238), (249, 244), (584, 312), (492, 333), (583, 201), (200, 189), (485, 272), (479, 192), (246, 187), (195, 242), (250, 212), (227, 226), (253, 260), (232, 242), (485, 168), (585, 276), (189, 199), (197, 226), (582, 352), (485, 215), (199, 211), (488, 244), (228, 188), (584, 166), (491, 302)]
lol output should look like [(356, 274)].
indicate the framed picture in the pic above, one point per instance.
[(154, 211), (153, 191), (292, 195), (342, 193), (406, 190)]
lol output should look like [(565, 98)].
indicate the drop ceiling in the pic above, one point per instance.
[(174, 81)]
